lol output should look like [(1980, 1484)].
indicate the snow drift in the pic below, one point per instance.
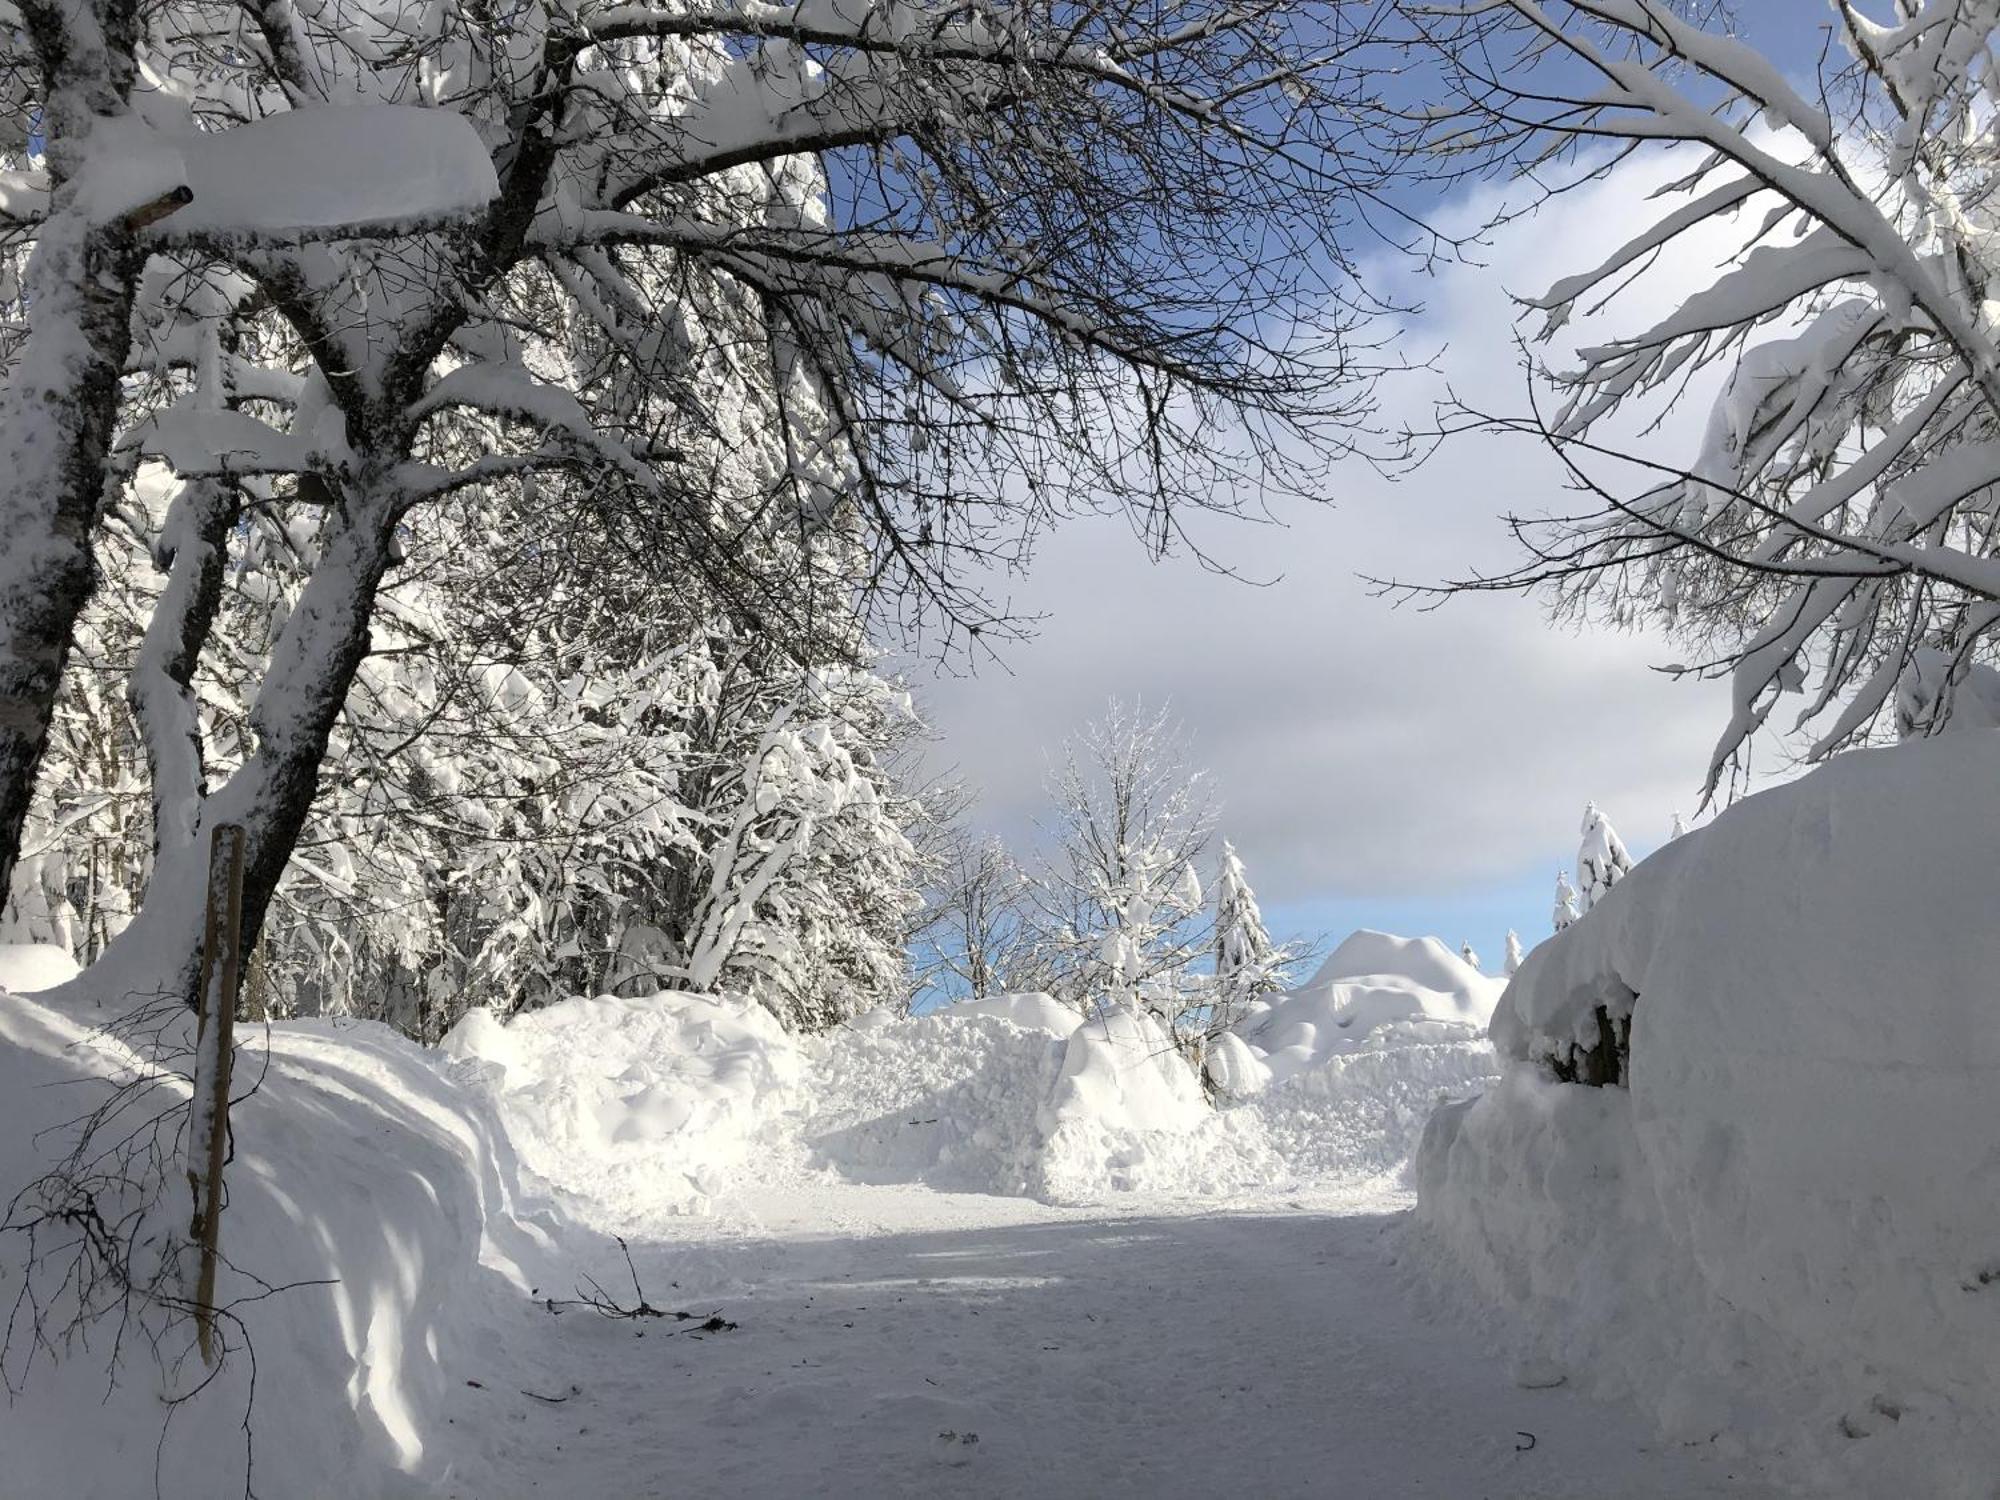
[(378, 1194), (382, 1186), (640, 1105), (1788, 1227), (1371, 981), (949, 1099), (658, 1105)]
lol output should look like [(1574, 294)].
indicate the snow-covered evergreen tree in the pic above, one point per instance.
[(1565, 911), (1514, 954), (1469, 954), (1248, 964), (1601, 860)]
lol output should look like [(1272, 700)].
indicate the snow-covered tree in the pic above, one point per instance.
[(116, 112), (982, 935), (1565, 912), (1514, 954), (1839, 517), (659, 289), (1248, 965), (1601, 860), (804, 878), (1118, 901), (1677, 828), (1469, 954)]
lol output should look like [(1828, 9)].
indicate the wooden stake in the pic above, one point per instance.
[(221, 972)]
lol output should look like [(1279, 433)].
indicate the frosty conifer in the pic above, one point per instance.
[(1245, 959), (1565, 910), (1601, 860), (1513, 953)]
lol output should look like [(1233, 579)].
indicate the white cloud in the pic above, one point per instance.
[(1360, 748)]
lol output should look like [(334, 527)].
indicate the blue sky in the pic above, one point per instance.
[(1423, 773)]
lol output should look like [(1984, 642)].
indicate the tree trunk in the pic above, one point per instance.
[(312, 666), (56, 420), (195, 551), (58, 410)]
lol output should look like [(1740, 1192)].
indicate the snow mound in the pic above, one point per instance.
[(1789, 1225), (377, 1195), (1371, 981), (638, 1106), (1362, 1113), (1032, 1012), (1423, 963), (1235, 1070), (1022, 1096), (949, 1099), (1127, 1115), (28, 967)]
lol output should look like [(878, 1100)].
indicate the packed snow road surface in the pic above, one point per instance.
[(896, 1341)]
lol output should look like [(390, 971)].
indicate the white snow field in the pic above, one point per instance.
[(1786, 1232), (991, 1252)]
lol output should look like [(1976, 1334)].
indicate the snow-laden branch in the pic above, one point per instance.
[(1840, 517)]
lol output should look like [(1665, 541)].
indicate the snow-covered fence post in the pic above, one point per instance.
[(221, 967)]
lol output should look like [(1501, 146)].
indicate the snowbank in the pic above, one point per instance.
[(1362, 1112), (28, 967), (1788, 1227), (1021, 1095), (949, 1099), (1127, 1115), (1341, 1073), (641, 1106), (377, 1194), (1371, 981)]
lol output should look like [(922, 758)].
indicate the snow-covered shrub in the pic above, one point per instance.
[(1782, 1228)]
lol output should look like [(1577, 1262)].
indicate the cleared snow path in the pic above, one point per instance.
[(897, 1341)]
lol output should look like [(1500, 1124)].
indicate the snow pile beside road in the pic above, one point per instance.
[(1342, 1072), (642, 1106), (1788, 1227), (949, 1099), (659, 1103), (1370, 982), (1021, 1095), (1127, 1115), (1017, 1094), (1362, 1112), (379, 1197)]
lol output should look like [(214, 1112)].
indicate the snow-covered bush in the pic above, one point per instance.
[(1778, 1229)]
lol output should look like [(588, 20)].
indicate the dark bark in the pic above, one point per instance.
[(62, 402), (39, 606), (297, 706)]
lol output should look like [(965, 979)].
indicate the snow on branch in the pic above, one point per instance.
[(508, 390), (1840, 516), (197, 442)]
